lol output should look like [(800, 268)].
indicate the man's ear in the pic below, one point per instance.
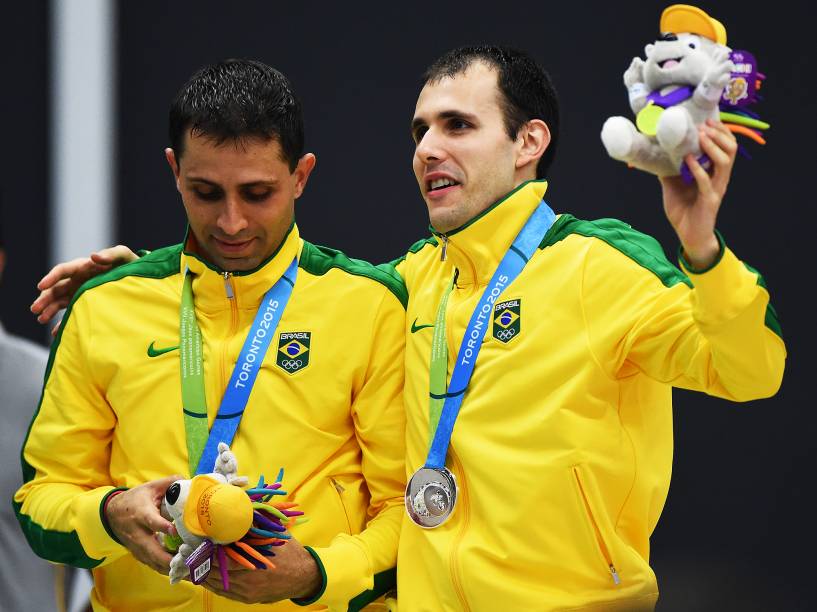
[(302, 171), (533, 141), (170, 156)]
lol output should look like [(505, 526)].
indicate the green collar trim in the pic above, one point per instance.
[(487, 210), (238, 272)]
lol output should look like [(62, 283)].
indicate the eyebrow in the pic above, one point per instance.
[(198, 179), (446, 114)]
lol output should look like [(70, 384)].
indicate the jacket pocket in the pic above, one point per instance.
[(339, 490), (602, 542)]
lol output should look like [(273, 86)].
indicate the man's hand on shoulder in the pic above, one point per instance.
[(692, 209), (62, 281), (296, 576), (134, 518)]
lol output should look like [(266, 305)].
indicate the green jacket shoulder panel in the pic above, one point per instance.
[(156, 264), (318, 260), (641, 248)]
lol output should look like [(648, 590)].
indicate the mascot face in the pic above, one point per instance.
[(174, 500), (681, 59)]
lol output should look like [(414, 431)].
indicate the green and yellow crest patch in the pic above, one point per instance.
[(507, 320), (293, 351)]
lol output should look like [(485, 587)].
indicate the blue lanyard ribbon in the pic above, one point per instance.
[(519, 253), (246, 368)]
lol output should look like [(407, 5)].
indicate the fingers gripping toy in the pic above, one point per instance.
[(689, 76), (213, 515)]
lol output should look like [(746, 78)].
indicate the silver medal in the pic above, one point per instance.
[(430, 496)]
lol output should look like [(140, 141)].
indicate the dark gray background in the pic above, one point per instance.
[(736, 533)]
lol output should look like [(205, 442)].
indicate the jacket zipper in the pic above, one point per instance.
[(464, 509), (444, 240), (230, 291), (605, 551)]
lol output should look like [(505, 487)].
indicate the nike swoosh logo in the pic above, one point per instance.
[(415, 328), (154, 352)]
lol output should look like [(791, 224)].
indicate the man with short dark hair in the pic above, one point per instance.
[(550, 345), (121, 409)]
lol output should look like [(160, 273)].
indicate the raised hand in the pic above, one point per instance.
[(692, 209)]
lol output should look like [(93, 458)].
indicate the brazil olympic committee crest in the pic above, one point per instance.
[(508, 320), (293, 351)]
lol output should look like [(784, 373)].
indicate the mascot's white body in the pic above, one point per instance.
[(671, 63), (225, 471)]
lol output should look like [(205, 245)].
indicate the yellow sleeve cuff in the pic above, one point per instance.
[(91, 528), (722, 291), (348, 571)]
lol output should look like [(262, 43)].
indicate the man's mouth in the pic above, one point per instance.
[(232, 246), (670, 63), (440, 184)]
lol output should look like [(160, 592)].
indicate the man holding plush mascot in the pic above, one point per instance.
[(559, 461), (144, 355)]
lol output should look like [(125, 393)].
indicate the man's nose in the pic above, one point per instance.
[(430, 149), (232, 220)]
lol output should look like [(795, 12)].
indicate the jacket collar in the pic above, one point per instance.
[(476, 248), (248, 287)]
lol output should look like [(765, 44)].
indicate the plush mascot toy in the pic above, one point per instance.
[(689, 76), (213, 515)]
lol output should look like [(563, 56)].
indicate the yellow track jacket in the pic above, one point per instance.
[(111, 416), (563, 445)]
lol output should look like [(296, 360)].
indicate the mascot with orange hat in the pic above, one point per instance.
[(215, 517), (689, 75)]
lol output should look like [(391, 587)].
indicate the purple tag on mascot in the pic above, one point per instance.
[(741, 91), (200, 561)]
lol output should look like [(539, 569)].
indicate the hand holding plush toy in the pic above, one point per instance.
[(689, 76), (215, 516)]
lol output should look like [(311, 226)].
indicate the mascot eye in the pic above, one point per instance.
[(172, 493), (691, 45)]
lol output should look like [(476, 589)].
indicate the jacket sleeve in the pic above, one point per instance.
[(713, 331), (65, 457), (358, 563)]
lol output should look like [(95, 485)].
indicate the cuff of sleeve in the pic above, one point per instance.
[(690, 269), (103, 505), (722, 291), (346, 572), (94, 534)]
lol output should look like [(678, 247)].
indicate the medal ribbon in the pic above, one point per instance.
[(202, 449), (438, 371), (442, 420)]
